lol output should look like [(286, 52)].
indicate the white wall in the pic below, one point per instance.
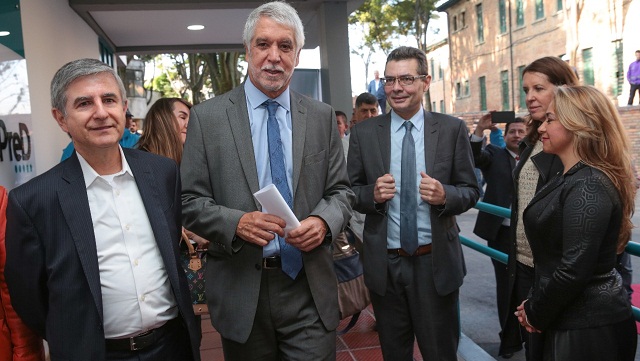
[(53, 35)]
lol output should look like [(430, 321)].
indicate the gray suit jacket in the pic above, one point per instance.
[(448, 159), (219, 177), (52, 264)]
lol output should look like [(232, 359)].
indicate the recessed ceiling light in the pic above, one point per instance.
[(195, 27), (4, 33)]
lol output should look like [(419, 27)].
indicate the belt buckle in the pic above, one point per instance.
[(265, 262)]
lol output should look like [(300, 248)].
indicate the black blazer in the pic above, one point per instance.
[(52, 265), (572, 225), (496, 165)]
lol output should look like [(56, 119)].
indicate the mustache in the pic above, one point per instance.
[(272, 67)]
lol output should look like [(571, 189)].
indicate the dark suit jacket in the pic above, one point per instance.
[(497, 165), (448, 158), (380, 94), (52, 264), (219, 177)]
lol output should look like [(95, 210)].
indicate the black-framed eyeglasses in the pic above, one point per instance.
[(403, 80)]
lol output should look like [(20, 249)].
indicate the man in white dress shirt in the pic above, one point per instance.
[(92, 244)]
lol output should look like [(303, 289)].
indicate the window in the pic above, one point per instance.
[(559, 5), (618, 74), (442, 110), (523, 97), (467, 91), (432, 67), (587, 71), (502, 9), (480, 23), (520, 13), (504, 81), (539, 9), (106, 55), (458, 94), (440, 71), (455, 23), (483, 93), (463, 20), (433, 106)]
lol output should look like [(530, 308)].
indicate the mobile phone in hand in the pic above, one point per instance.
[(508, 116)]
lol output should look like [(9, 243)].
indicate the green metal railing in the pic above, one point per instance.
[(633, 248)]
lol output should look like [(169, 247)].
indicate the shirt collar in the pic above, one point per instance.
[(90, 175), (256, 97), (510, 152), (417, 120)]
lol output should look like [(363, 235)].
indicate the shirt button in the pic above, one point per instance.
[(135, 262), (117, 192), (127, 227), (142, 298)]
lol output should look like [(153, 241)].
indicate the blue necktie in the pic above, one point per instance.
[(290, 256), (408, 193)]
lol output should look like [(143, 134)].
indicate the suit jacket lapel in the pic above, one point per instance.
[(299, 131), (149, 193), (74, 202), (237, 114), (431, 127), (384, 140)]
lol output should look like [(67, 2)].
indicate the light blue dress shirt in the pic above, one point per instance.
[(258, 121), (393, 213)]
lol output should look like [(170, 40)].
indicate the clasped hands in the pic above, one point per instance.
[(260, 228), (524, 321), (430, 189)]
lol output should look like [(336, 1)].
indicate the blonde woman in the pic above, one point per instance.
[(576, 224)]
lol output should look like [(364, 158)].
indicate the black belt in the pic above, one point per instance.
[(422, 250), (273, 262), (140, 341)]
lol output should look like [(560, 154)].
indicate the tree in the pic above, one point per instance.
[(383, 20)]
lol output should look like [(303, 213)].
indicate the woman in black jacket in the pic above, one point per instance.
[(576, 224)]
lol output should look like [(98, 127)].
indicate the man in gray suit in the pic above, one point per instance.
[(412, 173), (270, 298)]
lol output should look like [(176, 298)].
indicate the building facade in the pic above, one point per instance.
[(492, 41)]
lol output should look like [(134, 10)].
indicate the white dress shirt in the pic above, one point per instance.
[(136, 294)]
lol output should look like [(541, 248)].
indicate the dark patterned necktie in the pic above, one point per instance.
[(290, 256), (408, 193)]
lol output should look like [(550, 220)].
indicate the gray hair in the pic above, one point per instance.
[(74, 70), (280, 12)]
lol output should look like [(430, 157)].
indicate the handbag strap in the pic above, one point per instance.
[(186, 240)]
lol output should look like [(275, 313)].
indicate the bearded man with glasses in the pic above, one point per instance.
[(412, 173)]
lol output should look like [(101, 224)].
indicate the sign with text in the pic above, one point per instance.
[(16, 150)]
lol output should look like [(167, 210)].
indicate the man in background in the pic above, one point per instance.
[(377, 89), (633, 76), (366, 107)]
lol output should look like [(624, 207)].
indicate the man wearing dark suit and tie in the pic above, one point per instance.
[(497, 165), (271, 295), (376, 88), (412, 173), (92, 244)]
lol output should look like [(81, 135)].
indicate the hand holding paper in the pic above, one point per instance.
[(273, 203)]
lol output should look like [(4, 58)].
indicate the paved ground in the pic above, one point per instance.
[(478, 312)]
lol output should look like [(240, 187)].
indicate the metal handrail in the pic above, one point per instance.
[(632, 248)]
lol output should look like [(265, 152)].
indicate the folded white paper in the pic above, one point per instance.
[(273, 203)]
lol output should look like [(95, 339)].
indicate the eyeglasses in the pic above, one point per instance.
[(403, 80)]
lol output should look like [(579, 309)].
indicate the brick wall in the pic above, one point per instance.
[(630, 116)]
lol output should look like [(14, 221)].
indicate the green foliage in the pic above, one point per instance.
[(194, 76), (383, 20)]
